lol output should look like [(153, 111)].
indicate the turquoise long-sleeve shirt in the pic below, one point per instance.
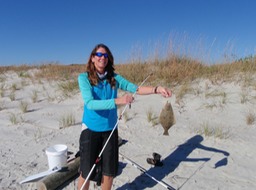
[(100, 110)]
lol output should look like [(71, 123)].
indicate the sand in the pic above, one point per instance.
[(209, 147)]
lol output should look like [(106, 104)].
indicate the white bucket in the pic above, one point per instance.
[(57, 156)]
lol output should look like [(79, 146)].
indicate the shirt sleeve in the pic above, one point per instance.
[(125, 84), (86, 91)]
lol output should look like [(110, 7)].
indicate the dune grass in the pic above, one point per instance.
[(13, 119), (152, 117), (250, 118), (66, 120), (170, 71), (213, 131), (23, 106)]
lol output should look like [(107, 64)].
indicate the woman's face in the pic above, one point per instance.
[(100, 60)]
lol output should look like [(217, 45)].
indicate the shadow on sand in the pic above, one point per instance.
[(171, 162)]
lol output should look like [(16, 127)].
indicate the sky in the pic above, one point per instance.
[(65, 31)]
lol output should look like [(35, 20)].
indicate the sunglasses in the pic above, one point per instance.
[(98, 54)]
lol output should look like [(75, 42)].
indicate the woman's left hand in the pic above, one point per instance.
[(165, 92)]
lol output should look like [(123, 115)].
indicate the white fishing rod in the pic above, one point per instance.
[(143, 170), (98, 158)]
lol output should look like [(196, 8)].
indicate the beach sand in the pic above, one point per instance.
[(209, 147)]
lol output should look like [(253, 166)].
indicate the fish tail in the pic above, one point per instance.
[(166, 133)]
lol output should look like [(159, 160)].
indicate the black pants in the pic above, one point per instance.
[(91, 144)]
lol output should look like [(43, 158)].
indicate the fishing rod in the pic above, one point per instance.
[(143, 170), (98, 158)]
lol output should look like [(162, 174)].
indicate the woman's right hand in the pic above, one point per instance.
[(125, 99)]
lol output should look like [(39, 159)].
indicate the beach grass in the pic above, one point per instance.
[(169, 71)]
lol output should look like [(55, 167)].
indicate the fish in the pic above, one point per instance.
[(167, 118)]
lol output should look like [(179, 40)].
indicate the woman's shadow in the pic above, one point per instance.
[(172, 162)]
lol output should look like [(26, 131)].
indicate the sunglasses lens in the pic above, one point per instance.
[(101, 54), (98, 54)]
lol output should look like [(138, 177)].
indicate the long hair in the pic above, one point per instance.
[(92, 73)]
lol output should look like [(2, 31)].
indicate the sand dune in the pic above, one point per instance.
[(211, 146)]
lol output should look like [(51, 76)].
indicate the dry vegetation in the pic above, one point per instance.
[(170, 71)]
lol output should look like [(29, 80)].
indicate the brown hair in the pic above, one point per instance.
[(92, 73)]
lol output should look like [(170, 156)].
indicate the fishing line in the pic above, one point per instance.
[(194, 173)]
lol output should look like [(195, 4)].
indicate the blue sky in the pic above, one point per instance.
[(65, 31)]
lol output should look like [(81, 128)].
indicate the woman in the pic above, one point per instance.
[(99, 87)]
